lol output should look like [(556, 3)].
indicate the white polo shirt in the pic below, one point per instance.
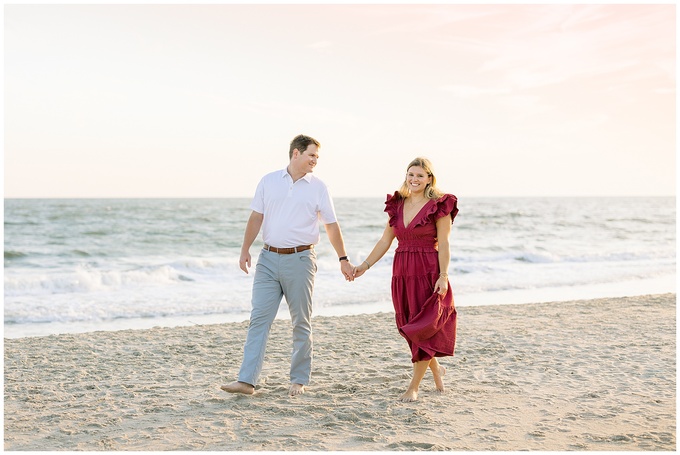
[(292, 210)]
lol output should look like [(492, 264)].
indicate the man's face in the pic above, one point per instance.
[(306, 161)]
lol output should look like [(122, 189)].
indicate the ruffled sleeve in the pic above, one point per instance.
[(447, 204), (392, 207)]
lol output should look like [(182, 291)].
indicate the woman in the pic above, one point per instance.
[(420, 217)]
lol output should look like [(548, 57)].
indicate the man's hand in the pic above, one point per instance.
[(347, 270), (244, 262)]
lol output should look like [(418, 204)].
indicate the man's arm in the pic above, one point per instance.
[(335, 237), (252, 229)]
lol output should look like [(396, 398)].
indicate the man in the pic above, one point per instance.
[(288, 205)]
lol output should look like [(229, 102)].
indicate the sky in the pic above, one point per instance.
[(187, 100)]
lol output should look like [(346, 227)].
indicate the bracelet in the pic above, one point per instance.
[(343, 258), (444, 275), (367, 264)]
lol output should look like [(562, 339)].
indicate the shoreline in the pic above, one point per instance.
[(579, 375), (647, 286)]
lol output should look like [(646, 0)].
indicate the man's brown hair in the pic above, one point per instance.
[(301, 142)]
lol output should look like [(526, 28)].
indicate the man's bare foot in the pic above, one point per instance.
[(409, 396), (296, 389), (239, 387)]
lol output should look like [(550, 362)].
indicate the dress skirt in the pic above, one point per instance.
[(426, 319)]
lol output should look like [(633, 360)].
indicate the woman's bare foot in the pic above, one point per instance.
[(419, 370), (296, 389), (438, 371), (239, 387), (409, 396)]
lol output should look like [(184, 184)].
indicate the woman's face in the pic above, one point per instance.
[(417, 179)]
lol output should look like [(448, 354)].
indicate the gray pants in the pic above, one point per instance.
[(276, 276)]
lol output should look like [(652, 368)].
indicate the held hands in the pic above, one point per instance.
[(347, 269)]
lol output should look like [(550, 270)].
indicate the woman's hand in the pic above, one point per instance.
[(360, 269), (442, 285)]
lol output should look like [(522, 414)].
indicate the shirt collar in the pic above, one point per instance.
[(307, 177)]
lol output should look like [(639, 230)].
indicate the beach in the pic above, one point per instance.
[(583, 375)]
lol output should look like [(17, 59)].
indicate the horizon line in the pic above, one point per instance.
[(348, 197)]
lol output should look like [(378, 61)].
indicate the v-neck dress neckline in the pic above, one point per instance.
[(403, 219)]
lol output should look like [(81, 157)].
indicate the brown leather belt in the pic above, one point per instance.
[(295, 249)]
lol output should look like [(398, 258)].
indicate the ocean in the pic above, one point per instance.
[(79, 265)]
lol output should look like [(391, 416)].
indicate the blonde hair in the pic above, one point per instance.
[(431, 190)]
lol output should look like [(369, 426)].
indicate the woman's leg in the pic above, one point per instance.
[(419, 370)]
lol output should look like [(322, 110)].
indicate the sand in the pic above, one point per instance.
[(583, 375)]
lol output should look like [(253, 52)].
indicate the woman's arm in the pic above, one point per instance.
[(443, 232), (378, 251)]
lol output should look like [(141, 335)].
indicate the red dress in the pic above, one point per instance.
[(426, 319)]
